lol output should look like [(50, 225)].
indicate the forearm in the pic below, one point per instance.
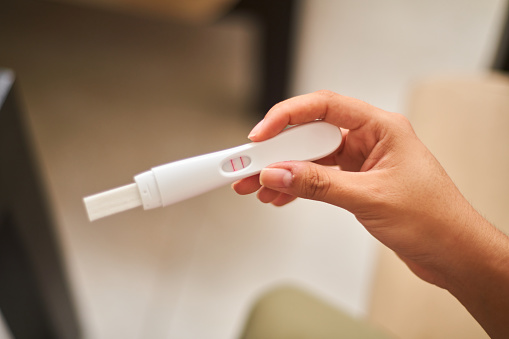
[(480, 279)]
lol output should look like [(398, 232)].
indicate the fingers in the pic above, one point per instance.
[(247, 185), (284, 182), (283, 199), (345, 112), (312, 181), (266, 195), (355, 117)]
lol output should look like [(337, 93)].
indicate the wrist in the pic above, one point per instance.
[(478, 248), (479, 274)]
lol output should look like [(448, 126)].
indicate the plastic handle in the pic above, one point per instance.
[(180, 180)]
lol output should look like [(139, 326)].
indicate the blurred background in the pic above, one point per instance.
[(111, 88)]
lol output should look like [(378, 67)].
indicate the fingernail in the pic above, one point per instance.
[(255, 129), (276, 178)]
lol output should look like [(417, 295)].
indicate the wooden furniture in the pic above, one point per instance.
[(275, 21)]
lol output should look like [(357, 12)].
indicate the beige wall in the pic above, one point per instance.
[(463, 120)]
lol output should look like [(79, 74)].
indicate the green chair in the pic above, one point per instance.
[(291, 313)]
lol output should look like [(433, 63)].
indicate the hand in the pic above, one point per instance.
[(395, 187), (387, 178)]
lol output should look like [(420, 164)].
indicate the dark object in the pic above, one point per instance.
[(276, 19), (34, 297), (502, 57)]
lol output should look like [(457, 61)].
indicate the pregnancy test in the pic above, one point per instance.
[(176, 181)]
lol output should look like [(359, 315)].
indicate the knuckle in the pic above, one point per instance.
[(326, 93), (317, 185), (402, 120), (278, 105)]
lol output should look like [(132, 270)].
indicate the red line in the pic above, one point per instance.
[(233, 166), (242, 162)]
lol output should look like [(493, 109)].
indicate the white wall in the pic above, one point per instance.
[(374, 50)]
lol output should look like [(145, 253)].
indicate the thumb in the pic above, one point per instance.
[(316, 182)]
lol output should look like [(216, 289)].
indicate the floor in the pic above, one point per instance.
[(110, 95)]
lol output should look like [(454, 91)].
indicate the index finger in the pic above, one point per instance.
[(339, 110)]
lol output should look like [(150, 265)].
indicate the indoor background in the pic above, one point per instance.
[(112, 90)]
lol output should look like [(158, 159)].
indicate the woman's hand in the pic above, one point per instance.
[(395, 187), (384, 175)]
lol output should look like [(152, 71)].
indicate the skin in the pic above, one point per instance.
[(386, 177)]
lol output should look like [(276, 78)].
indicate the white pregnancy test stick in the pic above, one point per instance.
[(176, 181)]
